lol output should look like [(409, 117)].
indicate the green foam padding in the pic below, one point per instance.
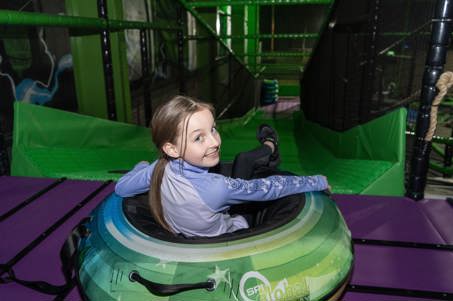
[(368, 159), (54, 143)]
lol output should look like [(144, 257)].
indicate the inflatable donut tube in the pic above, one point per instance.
[(309, 257)]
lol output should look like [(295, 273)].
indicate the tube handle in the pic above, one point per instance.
[(159, 289)]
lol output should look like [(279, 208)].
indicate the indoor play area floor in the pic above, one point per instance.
[(403, 249)]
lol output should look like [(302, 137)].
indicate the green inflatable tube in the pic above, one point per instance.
[(307, 257)]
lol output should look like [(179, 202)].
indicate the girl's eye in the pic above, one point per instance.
[(198, 139), (213, 130)]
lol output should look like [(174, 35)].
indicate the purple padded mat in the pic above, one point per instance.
[(405, 268), (392, 218), (14, 190), (371, 217), (353, 296), (16, 292), (440, 213), (28, 223), (43, 263), (399, 219)]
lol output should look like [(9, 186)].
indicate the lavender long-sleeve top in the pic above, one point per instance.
[(195, 202)]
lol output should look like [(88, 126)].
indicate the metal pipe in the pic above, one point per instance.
[(4, 160), (107, 63), (276, 54), (436, 139), (368, 75), (288, 36), (417, 31), (180, 41), (145, 76), (435, 60), (257, 2), (413, 61), (16, 18), (438, 150), (200, 19), (279, 36), (297, 36), (230, 77), (439, 168), (273, 28), (150, 33), (448, 157)]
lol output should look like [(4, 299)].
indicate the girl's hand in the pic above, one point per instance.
[(328, 190)]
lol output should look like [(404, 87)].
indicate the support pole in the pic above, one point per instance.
[(180, 37), (202, 4), (230, 77), (440, 39), (448, 157), (145, 76), (369, 71), (4, 158), (107, 63)]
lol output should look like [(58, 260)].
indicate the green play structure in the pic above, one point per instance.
[(367, 159)]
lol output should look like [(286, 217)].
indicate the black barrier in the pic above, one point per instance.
[(368, 61), (435, 61), (107, 62), (369, 72), (448, 156), (4, 158), (145, 76), (205, 69), (180, 43)]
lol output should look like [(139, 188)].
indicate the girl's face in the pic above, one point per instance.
[(203, 141)]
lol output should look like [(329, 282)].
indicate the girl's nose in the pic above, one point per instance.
[(215, 140)]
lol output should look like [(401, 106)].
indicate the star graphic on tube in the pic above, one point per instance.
[(220, 276)]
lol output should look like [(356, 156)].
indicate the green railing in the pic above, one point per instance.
[(190, 8), (277, 54), (438, 141), (251, 55), (16, 18), (256, 2), (294, 36)]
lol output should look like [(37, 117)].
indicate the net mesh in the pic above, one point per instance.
[(382, 46)]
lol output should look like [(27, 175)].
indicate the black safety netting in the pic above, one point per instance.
[(369, 60), (193, 62)]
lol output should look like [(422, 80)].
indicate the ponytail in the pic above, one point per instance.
[(169, 122), (154, 196)]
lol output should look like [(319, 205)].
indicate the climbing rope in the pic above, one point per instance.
[(444, 83)]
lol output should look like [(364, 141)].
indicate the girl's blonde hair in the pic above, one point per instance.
[(169, 122)]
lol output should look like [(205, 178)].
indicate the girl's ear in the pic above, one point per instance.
[(171, 150)]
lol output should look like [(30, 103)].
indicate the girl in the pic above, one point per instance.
[(184, 196)]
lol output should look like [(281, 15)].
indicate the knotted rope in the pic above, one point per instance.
[(444, 83)]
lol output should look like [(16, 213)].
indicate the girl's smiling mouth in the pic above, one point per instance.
[(213, 153)]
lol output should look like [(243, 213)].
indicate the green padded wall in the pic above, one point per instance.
[(54, 143), (368, 159)]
